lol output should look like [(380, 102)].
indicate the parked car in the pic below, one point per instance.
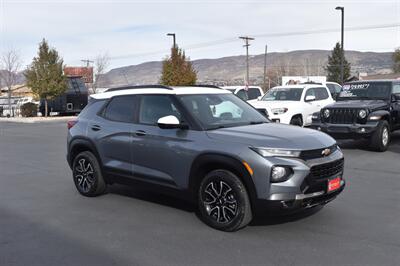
[(334, 88), (364, 109), (251, 93), (293, 104), (175, 140), (71, 102)]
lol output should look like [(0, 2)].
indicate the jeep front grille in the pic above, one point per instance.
[(341, 116)]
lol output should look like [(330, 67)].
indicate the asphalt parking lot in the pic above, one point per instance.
[(44, 221)]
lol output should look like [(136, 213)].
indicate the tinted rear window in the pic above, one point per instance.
[(253, 93), (121, 109)]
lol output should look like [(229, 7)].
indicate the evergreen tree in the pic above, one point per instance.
[(333, 67), (177, 70), (45, 74), (396, 61)]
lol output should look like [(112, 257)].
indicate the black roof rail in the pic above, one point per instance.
[(311, 82), (129, 87), (204, 86)]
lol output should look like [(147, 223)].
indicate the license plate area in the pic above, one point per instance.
[(334, 184)]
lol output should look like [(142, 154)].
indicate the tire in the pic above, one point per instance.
[(87, 175), (296, 121), (223, 201), (381, 137)]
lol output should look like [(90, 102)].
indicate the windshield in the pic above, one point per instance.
[(221, 110), (283, 94), (366, 90)]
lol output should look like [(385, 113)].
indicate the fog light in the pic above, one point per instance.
[(362, 130), (319, 128), (279, 174)]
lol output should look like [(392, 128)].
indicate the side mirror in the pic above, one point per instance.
[(169, 122), (259, 98), (309, 98), (396, 97)]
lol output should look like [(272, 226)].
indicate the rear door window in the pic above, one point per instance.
[(253, 93), (321, 93), (121, 109)]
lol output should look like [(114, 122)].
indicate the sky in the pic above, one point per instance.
[(132, 32)]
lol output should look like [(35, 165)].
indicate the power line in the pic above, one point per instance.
[(87, 61), (264, 35)]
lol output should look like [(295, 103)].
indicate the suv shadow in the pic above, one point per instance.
[(363, 144), (169, 201), (153, 197), (282, 219)]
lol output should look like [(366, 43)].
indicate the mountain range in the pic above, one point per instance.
[(231, 70)]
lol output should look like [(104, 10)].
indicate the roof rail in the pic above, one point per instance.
[(311, 83), (205, 86), (129, 87)]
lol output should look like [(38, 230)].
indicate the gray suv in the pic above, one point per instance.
[(206, 145)]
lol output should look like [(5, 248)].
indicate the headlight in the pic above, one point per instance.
[(362, 113), (327, 113), (268, 152), (278, 111), (280, 173)]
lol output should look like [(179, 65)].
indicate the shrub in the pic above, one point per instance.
[(29, 110)]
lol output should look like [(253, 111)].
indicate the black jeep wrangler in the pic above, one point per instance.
[(364, 109)]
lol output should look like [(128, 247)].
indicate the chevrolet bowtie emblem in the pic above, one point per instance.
[(326, 152)]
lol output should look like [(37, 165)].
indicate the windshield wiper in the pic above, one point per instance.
[(257, 122), (216, 127)]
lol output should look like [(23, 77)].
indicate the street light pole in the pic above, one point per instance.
[(173, 38), (247, 39), (341, 8), (265, 67)]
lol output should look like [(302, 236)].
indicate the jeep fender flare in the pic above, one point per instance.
[(385, 115)]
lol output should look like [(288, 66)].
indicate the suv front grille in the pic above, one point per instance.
[(315, 154), (317, 180), (341, 116), (327, 169)]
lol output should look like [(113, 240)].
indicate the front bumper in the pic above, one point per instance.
[(346, 131), (299, 203)]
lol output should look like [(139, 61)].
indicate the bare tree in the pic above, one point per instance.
[(10, 64), (101, 63)]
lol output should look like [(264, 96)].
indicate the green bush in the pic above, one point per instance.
[(29, 110)]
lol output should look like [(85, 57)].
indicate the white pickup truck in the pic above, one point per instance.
[(293, 104)]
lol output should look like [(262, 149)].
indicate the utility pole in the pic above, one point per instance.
[(173, 39), (341, 8), (87, 61), (247, 44), (265, 67)]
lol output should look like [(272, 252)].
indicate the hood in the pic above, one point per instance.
[(366, 104), (274, 135)]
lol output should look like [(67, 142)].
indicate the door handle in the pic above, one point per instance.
[(140, 133), (96, 127)]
